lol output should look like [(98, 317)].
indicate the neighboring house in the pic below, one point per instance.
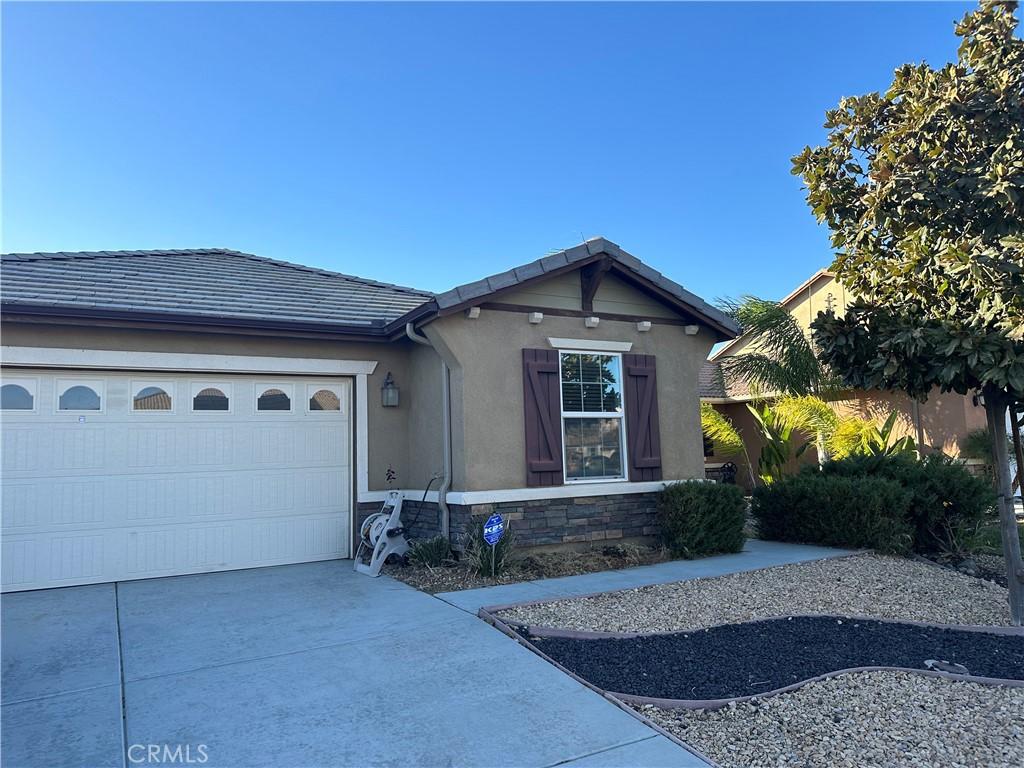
[(169, 412), (938, 424)]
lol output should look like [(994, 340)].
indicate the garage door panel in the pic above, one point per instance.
[(123, 494), (60, 503), (159, 551)]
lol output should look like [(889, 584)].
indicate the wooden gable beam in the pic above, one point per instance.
[(590, 278)]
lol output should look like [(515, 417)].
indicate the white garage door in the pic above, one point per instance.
[(110, 476)]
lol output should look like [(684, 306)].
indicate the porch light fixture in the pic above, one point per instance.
[(591, 322), (389, 392), (643, 326), (535, 318), (691, 330)]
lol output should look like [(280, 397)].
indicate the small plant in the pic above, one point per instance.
[(431, 553), (390, 475), (782, 443), (854, 436), (481, 557), (835, 511), (700, 519)]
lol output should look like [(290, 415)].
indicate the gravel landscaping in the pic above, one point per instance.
[(862, 720), (756, 657), (860, 585)]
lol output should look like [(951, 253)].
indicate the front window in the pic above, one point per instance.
[(592, 420)]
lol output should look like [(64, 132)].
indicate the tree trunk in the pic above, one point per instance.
[(996, 403), (1016, 422)]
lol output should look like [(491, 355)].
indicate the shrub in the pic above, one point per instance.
[(977, 444), (478, 552), (947, 502), (432, 553), (835, 511), (701, 518)]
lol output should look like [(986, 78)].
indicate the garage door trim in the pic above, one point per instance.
[(102, 359)]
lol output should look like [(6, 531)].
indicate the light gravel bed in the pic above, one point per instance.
[(890, 719), (859, 585)]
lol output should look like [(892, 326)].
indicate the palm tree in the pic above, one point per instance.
[(781, 360)]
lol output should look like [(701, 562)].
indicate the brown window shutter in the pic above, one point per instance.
[(543, 412), (642, 427)]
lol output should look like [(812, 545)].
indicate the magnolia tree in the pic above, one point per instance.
[(922, 188)]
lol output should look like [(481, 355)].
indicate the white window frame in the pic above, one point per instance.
[(337, 389), (195, 387), (621, 416), (31, 384), (261, 388), (167, 386), (60, 386)]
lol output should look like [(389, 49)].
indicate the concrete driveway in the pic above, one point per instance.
[(303, 665)]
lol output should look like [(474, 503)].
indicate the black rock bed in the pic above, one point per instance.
[(743, 659)]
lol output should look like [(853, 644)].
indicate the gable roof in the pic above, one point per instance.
[(785, 302), (590, 251), (205, 285), (217, 286)]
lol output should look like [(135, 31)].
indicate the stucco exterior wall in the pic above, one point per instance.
[(487, 390), (389, 428)]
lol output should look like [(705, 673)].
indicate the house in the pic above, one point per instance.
[(938, 424), (170, 412)]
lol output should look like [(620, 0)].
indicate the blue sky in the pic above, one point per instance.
[(430, 145)]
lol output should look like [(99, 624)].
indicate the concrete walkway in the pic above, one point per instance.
[(756, 554), (304, 665)]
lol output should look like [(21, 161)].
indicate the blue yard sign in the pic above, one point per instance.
[(494, 527)]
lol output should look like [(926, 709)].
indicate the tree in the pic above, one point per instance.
[(781, 360), (923, 190)]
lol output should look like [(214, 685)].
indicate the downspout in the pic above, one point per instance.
[(446, 430)]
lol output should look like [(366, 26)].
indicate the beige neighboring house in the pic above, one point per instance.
[(938, 424), (169, 412)]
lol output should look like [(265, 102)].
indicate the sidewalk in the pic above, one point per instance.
[(756, 554)]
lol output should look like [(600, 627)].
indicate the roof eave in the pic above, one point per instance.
[(207, 323), (560, 264)]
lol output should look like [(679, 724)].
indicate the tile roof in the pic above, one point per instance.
[(214, 282), (710, 382), (220, 285), (478, 289)]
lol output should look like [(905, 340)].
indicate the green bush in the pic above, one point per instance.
[(835, 511), (478, 553), (947, 503), (701, 518), (432, 553)]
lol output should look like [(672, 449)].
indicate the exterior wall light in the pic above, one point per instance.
[(535, 318), (389, 392), (591, 322), (643, 326), (691, 330)]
